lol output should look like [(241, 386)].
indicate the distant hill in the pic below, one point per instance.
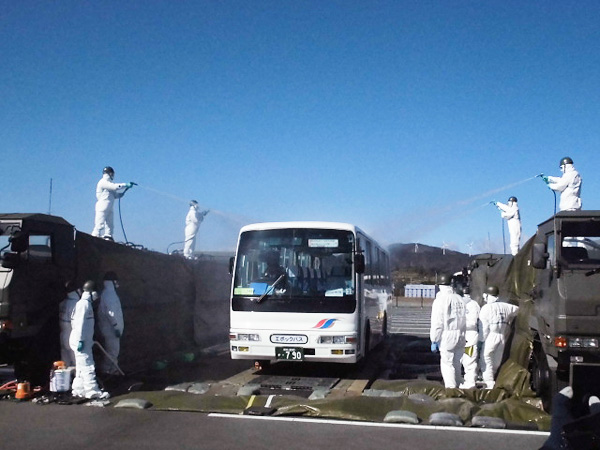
[(421, 266)]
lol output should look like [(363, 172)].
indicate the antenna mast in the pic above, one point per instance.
[(50, 199)]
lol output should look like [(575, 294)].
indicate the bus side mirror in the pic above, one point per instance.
[(539, 256), (19, 242), (231, 265), (359, 263)]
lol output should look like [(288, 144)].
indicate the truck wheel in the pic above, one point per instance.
[(539, 370), (544, 382)]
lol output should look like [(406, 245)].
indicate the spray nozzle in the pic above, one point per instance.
[(543, 177)]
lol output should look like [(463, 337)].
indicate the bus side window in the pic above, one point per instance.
[(369, 264)]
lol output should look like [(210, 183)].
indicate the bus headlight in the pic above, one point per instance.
[(244, 337), (336, 339)]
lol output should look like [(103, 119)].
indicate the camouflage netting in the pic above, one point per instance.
[(170, 305), (514, 277), (211, 310)]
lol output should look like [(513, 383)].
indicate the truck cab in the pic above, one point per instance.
[(566, 298), (37, 256)]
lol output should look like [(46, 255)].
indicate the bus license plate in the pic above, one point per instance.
[(289, 353)]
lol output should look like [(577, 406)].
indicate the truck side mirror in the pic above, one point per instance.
[(19, 242), (231, 265), (359, 263), (10, 260), (539, 256)]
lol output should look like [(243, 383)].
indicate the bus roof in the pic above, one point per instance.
[(308, 224), (301, 224)]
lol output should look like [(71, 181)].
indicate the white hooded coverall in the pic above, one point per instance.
[(495, 318), (106, 193), (65, 312), (110, 326), (569, 186), (510, 212), (82, 324), (448, 325), (192, 222), (469, 358)]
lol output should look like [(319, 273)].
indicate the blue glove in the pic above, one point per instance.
[(129, 185), (80, 346), (435, 347), (546, 180)]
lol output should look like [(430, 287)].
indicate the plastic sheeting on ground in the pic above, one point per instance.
[(465, 403)]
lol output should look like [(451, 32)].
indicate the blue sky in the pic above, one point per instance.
[(403, 117)]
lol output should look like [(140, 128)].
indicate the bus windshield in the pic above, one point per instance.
[(298, 263)]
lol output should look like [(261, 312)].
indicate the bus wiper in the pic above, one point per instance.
[(592, 272), (271, 288)]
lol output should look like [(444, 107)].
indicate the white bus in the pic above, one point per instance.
[(307, 291)]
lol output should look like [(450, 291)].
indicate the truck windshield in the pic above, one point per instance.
[(4, 245), (39, 247), (581, 243), (316, 265)]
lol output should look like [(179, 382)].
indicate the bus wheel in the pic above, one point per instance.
[(367, 340)]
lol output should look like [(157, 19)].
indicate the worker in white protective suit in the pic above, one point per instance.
[(447, 333), (192, 222), (495, 319), (569, 185), (470, 356), (65, 312), (106, 193), (109, 317), (81, 341), (510, 212)]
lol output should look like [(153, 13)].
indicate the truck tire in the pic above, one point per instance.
[(544, 381)]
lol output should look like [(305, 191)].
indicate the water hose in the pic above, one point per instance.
[(109, 357)]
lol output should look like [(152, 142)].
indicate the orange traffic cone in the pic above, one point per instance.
[(23, 391)]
